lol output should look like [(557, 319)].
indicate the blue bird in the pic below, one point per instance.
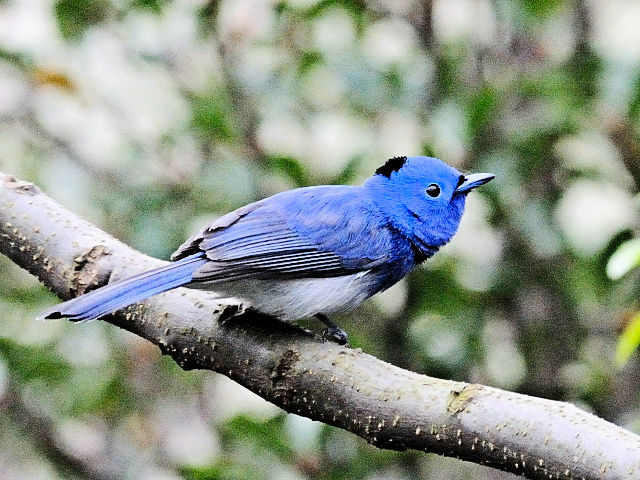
[(310, 251)]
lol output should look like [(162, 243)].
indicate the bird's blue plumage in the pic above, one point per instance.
[(312, 250), (120, 294)]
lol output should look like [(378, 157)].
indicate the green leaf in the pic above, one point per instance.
[(75, 16), (428, 150), (585, 68), (210, 117), (481, 110), (634, 104), (207, 16), (348, 173), (291, 168), (356, 8), (308, 60), (34, 363), (265, 435), (628, 341), (541, 8), (225, 470), (624, 259), (112, 398), (154, 6), (449, 65)]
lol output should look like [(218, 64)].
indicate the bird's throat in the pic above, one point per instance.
[(422, 251)]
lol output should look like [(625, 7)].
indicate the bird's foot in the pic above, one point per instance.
[(333, 331), (335, 334)]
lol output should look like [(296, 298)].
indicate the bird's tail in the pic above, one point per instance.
[(122, 293)]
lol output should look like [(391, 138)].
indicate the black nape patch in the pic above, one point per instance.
[(393, 165)]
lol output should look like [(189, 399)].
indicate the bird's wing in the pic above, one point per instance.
[(321, 232)]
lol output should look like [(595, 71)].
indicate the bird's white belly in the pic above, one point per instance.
[(293, 299)]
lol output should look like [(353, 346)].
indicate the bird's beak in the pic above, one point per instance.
[(474, 180)]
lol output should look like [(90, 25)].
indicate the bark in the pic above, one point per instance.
[(387, 406)]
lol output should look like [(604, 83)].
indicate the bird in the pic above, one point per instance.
[(311, 251)]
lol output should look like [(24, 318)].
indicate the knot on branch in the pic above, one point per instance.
[(281, 376), (86, 272), (458, 399), (20, 186)]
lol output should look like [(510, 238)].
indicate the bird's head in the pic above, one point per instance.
[(423, 198)]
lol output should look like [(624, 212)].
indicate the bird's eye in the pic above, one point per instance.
[(433, 190)]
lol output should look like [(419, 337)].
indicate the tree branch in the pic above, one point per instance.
[(387, 406)]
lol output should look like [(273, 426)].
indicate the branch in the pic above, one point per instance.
[(387, 406)]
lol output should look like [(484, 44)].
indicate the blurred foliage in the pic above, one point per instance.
[(42, 365), (629, 341), (211, 116), (75, 16), (541, 8), (154, 6), (623, 260), (153, 117)]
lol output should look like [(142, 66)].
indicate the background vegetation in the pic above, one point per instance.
[(152, 117)]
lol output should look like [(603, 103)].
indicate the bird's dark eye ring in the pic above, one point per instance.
[(433, 190)]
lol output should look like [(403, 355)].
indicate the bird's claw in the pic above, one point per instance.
[(335, 334)]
